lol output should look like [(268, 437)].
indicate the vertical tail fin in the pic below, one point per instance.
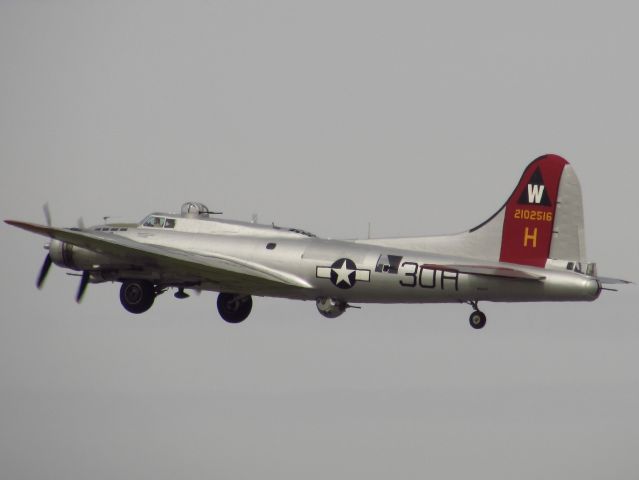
[(543, 216), (542, 221)]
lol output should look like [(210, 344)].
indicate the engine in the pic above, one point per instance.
[(77, 258), (330, 307)]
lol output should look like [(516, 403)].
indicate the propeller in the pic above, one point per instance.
[(47, 213), (46, 266), (84, 281), (44, 270)]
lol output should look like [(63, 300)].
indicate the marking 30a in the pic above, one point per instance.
[(418, 275)]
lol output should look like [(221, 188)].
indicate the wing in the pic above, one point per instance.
[(502, 272), (225, 270)]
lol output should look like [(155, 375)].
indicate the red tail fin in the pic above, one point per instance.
[(530, 213)]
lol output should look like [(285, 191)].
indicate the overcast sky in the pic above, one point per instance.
[(418, 117)]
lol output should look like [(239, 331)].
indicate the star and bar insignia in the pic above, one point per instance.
[(343, 273)]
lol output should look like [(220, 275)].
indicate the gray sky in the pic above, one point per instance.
[(418, 117)]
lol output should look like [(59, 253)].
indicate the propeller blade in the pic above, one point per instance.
[(81, 223), (84, 281), (47, 213), (44, 271)]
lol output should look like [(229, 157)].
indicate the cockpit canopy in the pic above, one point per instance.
[(194, 210), (158, 221), (194, 217)]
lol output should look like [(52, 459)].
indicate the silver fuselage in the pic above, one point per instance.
[(313, 260)]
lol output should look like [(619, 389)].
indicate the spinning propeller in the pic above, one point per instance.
[(44, 271), (46, 266)]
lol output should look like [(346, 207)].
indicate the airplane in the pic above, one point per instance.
[(531, 250)]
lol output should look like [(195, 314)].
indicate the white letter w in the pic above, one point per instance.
[(534, 193)]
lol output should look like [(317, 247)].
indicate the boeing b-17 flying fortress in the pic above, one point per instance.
[(531, 250)]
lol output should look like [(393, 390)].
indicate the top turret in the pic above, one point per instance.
[(195, 210)]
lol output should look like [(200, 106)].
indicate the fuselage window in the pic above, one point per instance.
[(270, 246), (388, 263), (301, 232), (169, 223)]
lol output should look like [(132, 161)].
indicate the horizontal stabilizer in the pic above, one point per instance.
[(613, 281), (501, 272)]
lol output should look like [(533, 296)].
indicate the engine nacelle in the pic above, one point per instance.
[(330, 307), (71, 256)]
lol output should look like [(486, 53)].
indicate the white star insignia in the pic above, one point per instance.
[(343, 274)]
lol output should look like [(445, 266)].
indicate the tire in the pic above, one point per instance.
[(477, 319), (137, 296), (234, 308)]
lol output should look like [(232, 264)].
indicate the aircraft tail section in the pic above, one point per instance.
[(541, 224), (543, 199), (543, 218)]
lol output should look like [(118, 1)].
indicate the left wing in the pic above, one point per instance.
[(228, 271)]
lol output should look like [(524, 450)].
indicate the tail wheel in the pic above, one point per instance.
[(137, 296), (477, 319), (234, 308)]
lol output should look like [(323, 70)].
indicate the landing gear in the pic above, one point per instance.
[(181, 294), (233, 307), (137, 296), (477, 319)]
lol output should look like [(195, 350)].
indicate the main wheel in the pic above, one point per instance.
[(477, 319), (234, 308), (137, 296)]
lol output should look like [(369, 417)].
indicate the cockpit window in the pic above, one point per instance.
[(169, 223), (153, 221)]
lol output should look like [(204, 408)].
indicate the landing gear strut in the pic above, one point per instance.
[(477, 319), (234, 308), (137, 296)]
